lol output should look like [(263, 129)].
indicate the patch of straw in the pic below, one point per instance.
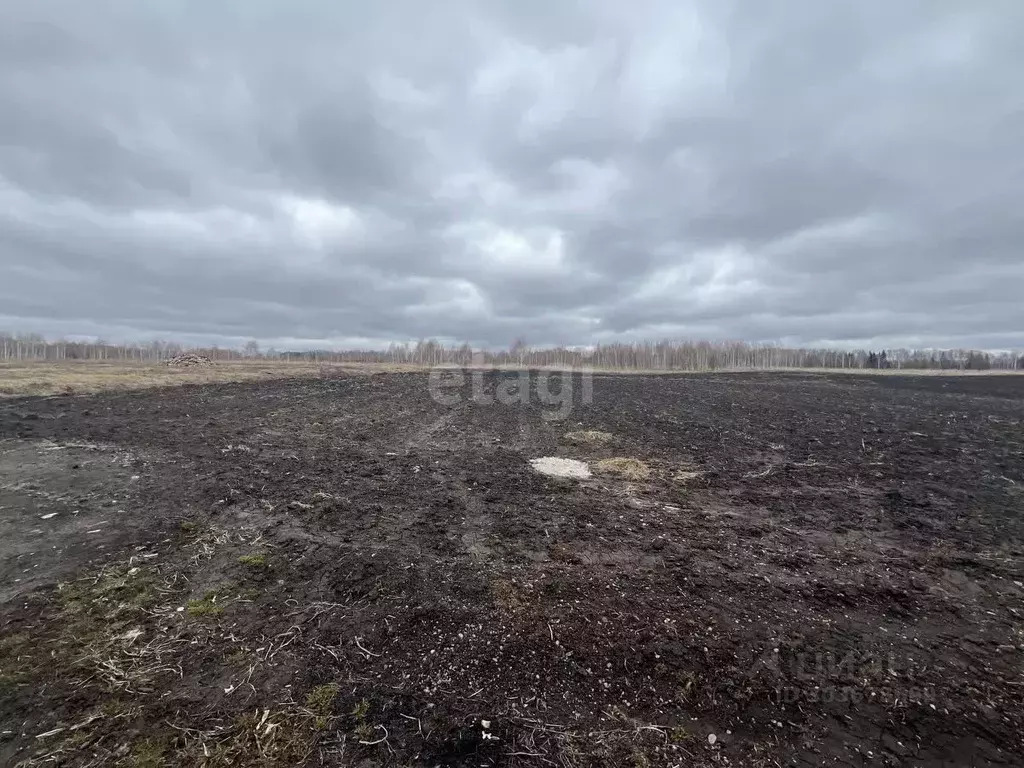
[(625, 467)]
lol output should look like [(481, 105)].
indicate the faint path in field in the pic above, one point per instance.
[(62, 506)]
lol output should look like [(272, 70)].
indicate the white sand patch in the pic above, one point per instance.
[(556, 467)]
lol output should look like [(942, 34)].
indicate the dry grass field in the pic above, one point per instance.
[(85, 377)]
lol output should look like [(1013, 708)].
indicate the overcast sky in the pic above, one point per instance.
[(341, 173)]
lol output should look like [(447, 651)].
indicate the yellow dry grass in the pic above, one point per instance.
[(86, 376), (83, 377), (625, 467)]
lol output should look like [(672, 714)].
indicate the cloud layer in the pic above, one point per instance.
[(321, 173)]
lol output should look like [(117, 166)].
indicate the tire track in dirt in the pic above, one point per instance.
[(483, 446), (477, 522), (427, 436)]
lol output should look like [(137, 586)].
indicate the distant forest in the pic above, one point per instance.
[(658, 356)]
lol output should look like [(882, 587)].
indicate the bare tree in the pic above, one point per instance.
[(667, 355)]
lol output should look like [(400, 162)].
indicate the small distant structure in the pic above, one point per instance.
[(188, 360)]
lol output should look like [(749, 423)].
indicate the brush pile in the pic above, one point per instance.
[(188, 360)]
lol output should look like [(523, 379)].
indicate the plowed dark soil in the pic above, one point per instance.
[(815, 570)]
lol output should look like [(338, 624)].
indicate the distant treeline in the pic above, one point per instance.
[(664, 355)]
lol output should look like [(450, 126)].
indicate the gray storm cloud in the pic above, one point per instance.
[(322, 173)]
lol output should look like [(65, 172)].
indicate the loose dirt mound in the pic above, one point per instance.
[(188, 360)]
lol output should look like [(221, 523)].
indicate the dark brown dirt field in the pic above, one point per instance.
[(803, 570)]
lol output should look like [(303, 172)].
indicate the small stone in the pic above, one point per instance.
[(712, 738)]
